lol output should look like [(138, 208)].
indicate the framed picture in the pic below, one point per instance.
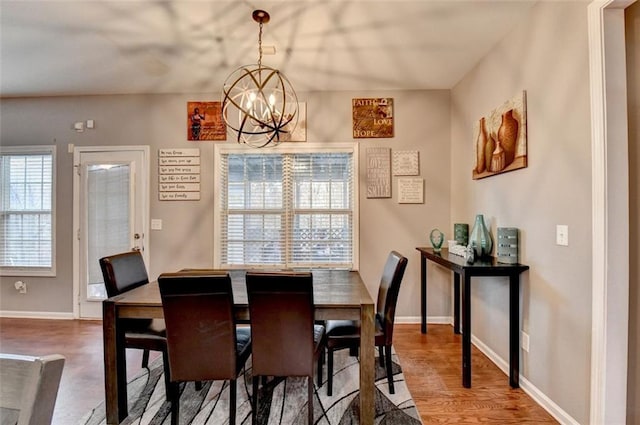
[(204, 121), (406, 163), (500, 139), (299, 134), (372, 117)]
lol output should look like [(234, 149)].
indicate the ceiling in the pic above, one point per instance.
[(50, 47)]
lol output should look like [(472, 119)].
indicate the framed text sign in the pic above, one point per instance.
[(372, 117), (179, 174), (378, 173)]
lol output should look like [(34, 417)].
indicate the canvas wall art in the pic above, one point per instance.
[(500, 139), (372, 118), (204, 121)]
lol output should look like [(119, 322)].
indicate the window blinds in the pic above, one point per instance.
[(287, 210)]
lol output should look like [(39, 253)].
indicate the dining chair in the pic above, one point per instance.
[(346, 333), (286, 340), (124, 272), (204, 342), (29, 388)]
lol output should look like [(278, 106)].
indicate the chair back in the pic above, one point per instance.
[(388, 293), (123, 272), (30, 386), (201, 329), (282, 318)]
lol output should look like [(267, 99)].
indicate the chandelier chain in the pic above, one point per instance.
[(260, 47)]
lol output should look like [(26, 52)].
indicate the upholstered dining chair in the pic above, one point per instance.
[(346, 333), (204, 343), (124, 272), (286, 340)]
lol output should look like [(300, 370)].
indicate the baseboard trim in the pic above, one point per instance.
[(37, 315), (538, 396), (437, 320)]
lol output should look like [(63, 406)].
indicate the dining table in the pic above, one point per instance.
[(338, 294)]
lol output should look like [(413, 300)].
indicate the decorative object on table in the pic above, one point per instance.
[(406, 163), (436, 237), (411, 190), (470, 253), (500, 140), (457, 249), (461, 233), (480, 238), (378, 173), (204, 121), (260, 105), (372, 118), (507, 245)]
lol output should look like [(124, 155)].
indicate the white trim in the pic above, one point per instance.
[(77, 151), (53, 315), (435, 320), (538, 396), (610, 220)]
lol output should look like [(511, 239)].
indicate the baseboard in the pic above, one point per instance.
[(538, 396), (437, 320), (37, 315)]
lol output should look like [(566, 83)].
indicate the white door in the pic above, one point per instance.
[(111, 193)]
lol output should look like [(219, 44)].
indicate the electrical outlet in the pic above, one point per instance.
[(562, 235), (525, 341)]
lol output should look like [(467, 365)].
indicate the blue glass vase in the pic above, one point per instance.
[(480, 238)]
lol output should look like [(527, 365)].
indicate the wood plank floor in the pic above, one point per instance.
[(431, 365)]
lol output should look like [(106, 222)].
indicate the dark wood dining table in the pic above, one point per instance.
[(338, 294)]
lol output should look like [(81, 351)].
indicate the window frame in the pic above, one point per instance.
[(30, 270), (283, 148)]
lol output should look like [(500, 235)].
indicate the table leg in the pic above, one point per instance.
[(466, 331), (514, 334), (423, 293), (115, 369), (367, 370), (456, 303)]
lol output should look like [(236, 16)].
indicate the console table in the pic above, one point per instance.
[(485, 267)]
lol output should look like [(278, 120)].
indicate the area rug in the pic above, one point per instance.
[(282, 401)]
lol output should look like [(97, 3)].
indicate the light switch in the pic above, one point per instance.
[(562, 235), (156, 224)]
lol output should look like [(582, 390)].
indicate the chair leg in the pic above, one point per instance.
[(254, 411), (310, 398), (232, 402), (381, 355), (320, 362), (389, 372), (329, 372), (145, 358), (198, 385), (174, 397), (167, 377)]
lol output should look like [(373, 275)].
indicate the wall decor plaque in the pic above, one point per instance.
[(372, 117), (411, 190), (179, 174), (406, 163), (204, 121), (378, 173)]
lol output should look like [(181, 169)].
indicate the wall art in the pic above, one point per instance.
[(378, 173), (500, 139), (179, 174), (299, 134), (204, 121), (372, 117), (405, 163), (411, 190)]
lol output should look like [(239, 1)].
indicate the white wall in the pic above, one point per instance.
[(547, 57), (421, 123)]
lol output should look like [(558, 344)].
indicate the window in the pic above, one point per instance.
[(27, 197), (286, 207)]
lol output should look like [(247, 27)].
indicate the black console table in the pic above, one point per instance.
[(460, 268)]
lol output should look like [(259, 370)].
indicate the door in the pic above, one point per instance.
[(111, 200)]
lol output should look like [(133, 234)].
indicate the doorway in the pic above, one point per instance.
[(111, 209)]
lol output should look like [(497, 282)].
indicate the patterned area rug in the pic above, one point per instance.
[(282, 401)]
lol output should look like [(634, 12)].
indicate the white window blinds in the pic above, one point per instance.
[(26, 210), (287, 209)]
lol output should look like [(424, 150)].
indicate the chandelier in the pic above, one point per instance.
[(260, 106)]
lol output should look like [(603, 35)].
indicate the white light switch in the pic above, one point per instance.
[(156, 224), (562, 235)]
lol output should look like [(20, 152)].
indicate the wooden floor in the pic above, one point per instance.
[(431, 365)]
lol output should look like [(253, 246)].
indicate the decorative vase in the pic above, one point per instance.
[(488, 151), (436, 237), (507, 136), (481, 142), (480, 238)]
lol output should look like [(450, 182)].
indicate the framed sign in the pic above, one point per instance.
[(204, 121), (372, 117)]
